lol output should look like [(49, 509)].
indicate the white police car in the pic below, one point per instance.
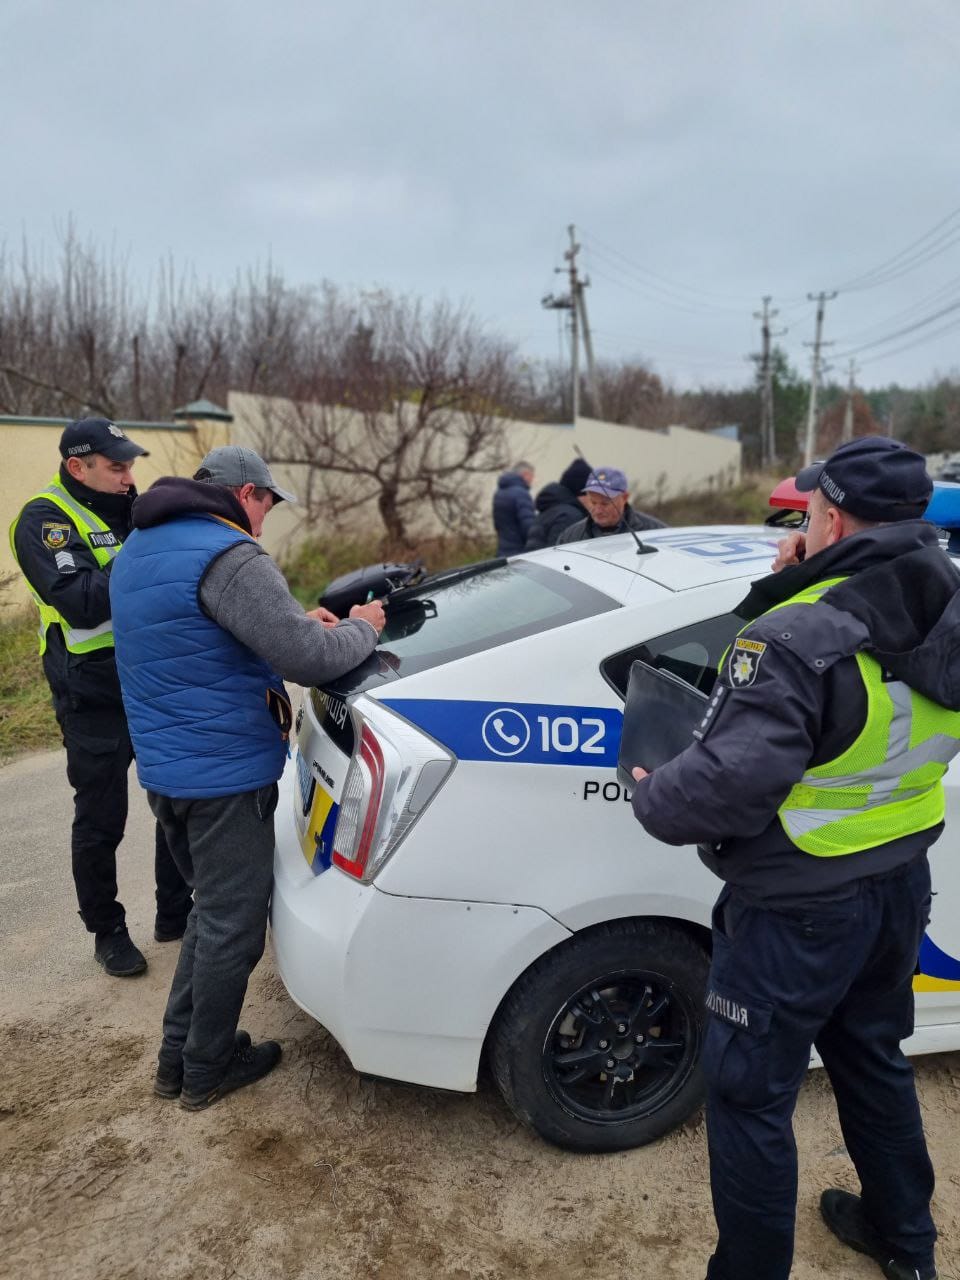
[(458, 874)]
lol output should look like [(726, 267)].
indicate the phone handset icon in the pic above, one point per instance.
[(505, 732), (512, 738)]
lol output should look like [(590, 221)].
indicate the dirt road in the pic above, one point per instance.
[(313, 1174)]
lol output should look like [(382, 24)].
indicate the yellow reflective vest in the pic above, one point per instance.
[(887, 783), (86, 522)]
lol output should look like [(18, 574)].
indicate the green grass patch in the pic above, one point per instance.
[(744, 503), (27, 721)]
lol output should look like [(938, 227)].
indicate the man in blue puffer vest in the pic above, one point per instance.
[(206, 631)]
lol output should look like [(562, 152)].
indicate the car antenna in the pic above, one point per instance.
[(642, 548)]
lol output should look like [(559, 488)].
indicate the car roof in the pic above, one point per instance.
[(684, 558)]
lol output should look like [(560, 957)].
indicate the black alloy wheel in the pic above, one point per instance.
[(621, 1047), (596, 1046)]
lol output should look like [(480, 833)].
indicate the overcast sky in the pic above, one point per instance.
[(708, 153)]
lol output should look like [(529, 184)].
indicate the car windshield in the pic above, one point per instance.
[(464, 614)]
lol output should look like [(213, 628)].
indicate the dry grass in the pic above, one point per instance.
[(26, 717), (318, 561), (745, 503)]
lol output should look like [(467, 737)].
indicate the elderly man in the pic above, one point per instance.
[(65, 540), (206, 632), (814, 791), (606, 496)]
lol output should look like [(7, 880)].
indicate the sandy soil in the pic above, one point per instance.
[(312, 1173)]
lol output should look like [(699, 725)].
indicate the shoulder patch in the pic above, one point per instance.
[(66, 562), (745, 657), (55, 534)]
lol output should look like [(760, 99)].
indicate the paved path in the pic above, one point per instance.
[(42, 939)]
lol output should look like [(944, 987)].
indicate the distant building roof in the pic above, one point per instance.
[(204, 409)]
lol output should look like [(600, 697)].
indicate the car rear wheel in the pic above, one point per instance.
[(596, 1046)]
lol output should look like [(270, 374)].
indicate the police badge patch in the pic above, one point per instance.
[(745, 662), (55, 535)]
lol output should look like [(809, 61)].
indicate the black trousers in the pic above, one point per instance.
[(99, 753), (838, 976), (224, 847)]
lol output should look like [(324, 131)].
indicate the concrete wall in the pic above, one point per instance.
[(658, 465), (29, 448)]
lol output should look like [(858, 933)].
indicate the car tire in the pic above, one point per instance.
[(627, 996)]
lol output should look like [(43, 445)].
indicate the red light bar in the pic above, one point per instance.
[(786, 494)]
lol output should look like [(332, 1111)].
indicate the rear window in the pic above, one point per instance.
[(463, 615), (481, 611)]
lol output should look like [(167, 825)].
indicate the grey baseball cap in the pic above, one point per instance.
[(234, 465)]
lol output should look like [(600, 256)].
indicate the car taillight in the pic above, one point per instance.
[(360, 807), (394, 773)]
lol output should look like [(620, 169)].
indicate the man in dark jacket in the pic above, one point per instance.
[(64, 541), (814, 790), (206, 632), (558, 506), (513, 510), (606, 497)]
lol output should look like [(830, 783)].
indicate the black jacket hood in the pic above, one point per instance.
[(558, 495), (170, 497), (902, 588)]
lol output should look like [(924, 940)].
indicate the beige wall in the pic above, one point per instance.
[(658, 465), (29, 448)]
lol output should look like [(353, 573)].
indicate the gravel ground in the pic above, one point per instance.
[(313, 1173)]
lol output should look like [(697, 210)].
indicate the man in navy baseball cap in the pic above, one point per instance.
[(873, 478), (606, 497), (98, 435)]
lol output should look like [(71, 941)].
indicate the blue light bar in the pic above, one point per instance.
[(943, 509)]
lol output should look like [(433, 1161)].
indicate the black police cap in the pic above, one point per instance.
[(873, 478), (99, 435)]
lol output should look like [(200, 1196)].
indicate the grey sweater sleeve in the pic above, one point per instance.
[(244, 592)]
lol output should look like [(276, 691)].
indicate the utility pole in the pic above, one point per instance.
[(575, 303), (847, 433), (809, 444), (768, 439)]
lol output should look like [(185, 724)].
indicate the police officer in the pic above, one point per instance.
[(813, 789), (64, 540)]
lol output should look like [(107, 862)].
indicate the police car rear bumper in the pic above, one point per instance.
[(407, 986)]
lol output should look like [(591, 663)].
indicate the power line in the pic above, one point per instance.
[(891, 268), (909, 346), (620, 262), (945, 290), (901, 333), (650, 293)]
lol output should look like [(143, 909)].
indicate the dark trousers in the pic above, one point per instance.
[(99, 753), (224, 849), (838, 976)]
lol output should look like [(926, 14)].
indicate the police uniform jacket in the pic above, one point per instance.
[(800, 701), (66, 575)]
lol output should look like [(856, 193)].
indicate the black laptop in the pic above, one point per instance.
[(659, 717)]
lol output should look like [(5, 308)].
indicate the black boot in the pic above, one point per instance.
[(247, 1065), (117, 953), (168, 1081), (843, 1214)]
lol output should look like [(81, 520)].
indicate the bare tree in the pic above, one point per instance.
[(403, 403)]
